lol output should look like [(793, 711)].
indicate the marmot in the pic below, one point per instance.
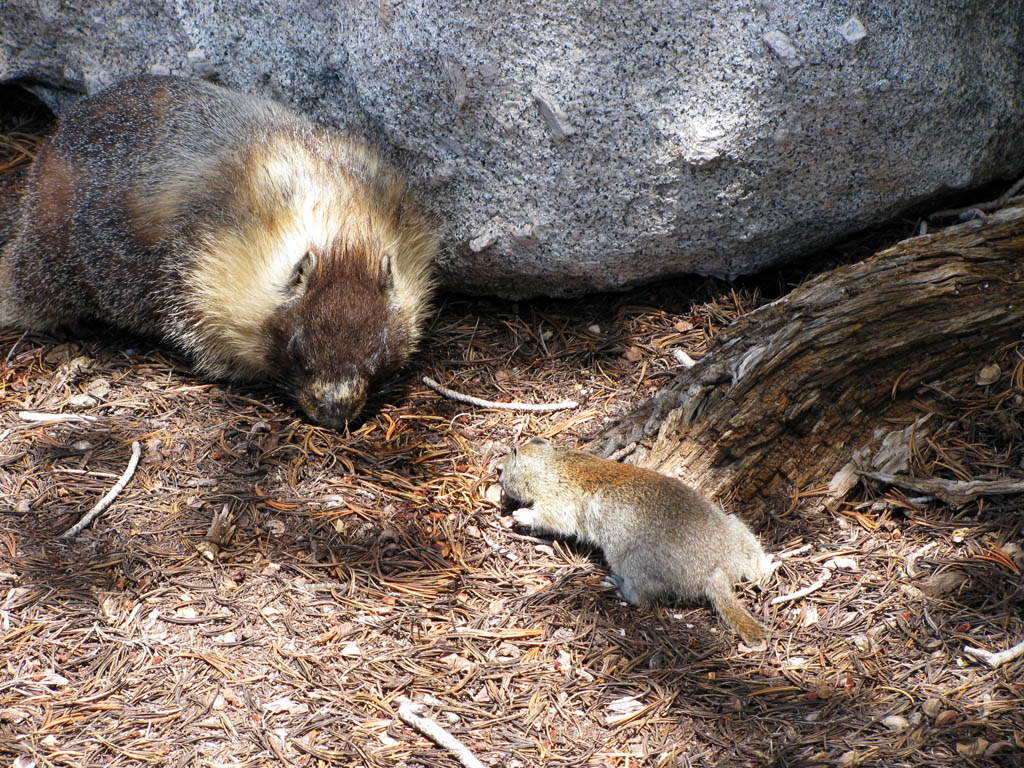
[(259, 244), (659, 535)]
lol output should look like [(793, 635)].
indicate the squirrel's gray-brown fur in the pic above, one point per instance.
[(260, 244), (659, 535)]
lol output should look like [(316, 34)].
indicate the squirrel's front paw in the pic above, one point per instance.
[(525, 516)]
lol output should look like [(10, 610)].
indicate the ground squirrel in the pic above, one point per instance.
[(261, 245), (659, 535)]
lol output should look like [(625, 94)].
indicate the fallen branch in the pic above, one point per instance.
[(107, 500), (789, 393), (996, 659), (825, 576), (408, 715), (470, 400), (949, 491)]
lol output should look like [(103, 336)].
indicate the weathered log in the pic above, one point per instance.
[(818, 381)]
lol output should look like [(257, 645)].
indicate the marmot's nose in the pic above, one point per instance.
[(333, 404)]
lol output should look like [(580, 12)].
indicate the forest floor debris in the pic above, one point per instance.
[(376, 565)]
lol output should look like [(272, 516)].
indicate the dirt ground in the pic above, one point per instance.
[(378, 564)]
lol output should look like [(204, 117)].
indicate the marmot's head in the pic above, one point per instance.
[(317, 274), (340, 329)]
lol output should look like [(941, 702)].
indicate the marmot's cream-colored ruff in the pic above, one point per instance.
[(260, 244), (659, 535)]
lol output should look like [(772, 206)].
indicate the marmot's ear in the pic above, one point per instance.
[(539, 441), (386, 272), (302, 270)]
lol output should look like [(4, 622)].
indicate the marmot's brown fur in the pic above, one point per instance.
[(260, 244), (659, 535)]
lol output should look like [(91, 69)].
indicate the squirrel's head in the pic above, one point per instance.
[(339, 329), (520, 466)]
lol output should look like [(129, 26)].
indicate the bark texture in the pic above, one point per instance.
[(800, 393)]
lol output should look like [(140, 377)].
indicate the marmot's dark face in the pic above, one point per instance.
[(337, 332)]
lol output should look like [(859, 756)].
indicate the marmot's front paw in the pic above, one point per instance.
[(525, 516)]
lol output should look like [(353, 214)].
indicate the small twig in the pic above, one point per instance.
[(54, 418), (683, 358), (107, 500), (909, 563), (10, 354), (327, 586), (470, 400), (825, 576), (622, 452), (523, 537), (949, 491), (996, 659), (794, 552), (1012, 191), (408, 715), (1001, 202), (222, 528)]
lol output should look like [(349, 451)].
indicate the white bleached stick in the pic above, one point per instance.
[(408, 715), (470, 400), (996, 659), (107, 500), (825, 576)]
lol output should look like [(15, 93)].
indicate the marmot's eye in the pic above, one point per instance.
[(302, 270)]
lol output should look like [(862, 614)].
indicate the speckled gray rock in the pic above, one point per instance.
[(581, 145)]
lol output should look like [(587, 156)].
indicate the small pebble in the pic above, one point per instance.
[(98, 388), (973, 749), (896, 723), (988, 375), (493, 493), (946, 718)]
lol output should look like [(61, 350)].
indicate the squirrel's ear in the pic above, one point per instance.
[(539, 441), (508, 461)]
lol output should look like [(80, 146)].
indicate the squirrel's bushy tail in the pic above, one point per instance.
[(729, 607)]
